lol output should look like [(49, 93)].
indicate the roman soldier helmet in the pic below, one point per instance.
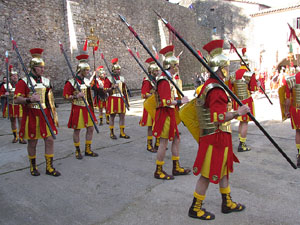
[(170, 60), (83, 63), (116, 65), (152, 65), (36, 60), (217, 59), (100, 69), (11, 71), (244, 57)]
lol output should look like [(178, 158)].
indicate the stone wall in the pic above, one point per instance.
[(41, 23)]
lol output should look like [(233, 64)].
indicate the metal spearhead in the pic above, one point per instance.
[(123, 20), (164, 20), (6, 54)]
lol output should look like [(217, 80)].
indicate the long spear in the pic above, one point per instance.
[(7, 82), (77, 85), (241, 58), (293, 34), (114, 81), (168, 25), (138, 62), (14, 43), (152, 56)]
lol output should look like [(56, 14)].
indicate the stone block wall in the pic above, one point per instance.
[(41, 23)]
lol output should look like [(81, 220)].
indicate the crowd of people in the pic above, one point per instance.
[(31, 103)]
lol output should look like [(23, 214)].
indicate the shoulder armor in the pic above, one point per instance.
[(87, 82), (159, 78), (72, 81), (46, 82), (211, 86), (291, 82), (122, 79), (247, 76)]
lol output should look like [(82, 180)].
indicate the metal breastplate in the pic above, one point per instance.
[(241, 89), (120, 83), (40, 89), (172, 88), (296, 96), (204, 115), (11, 91), (84, 89)]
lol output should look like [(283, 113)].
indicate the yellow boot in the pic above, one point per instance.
[(77, 151), (160, 173), (33, 168), (15, 140), (242, 146), (149, 145), (107, 118), (122, 133), (157, 142), (50, 170), (101, 120), (177, 169), (112, 135), (196, 210), (88, 151), (229, 206)]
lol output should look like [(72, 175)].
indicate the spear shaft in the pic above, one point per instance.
[(241, 58), (114, 81), (294, 34), (7, 82), (151, 78), (226, 88), (30, 84), (78, 86), (152, 56)]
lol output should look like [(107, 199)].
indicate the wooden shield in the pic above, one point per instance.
[(189, 117)]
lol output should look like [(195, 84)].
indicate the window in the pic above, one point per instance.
[(298, 23), (214, 30)]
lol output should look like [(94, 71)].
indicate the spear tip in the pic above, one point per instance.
[(6, 54), (163, 19), (122, 18), (156, 13)]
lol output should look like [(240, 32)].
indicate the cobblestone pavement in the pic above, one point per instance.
[(118, 187)]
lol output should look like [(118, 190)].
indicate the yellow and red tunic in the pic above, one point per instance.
[(294, 107), (146, 90), (115, 103), (100, 99), (15, 110), (215, 156), (165, 125), (252, 87), (33, 125), (79, 116)]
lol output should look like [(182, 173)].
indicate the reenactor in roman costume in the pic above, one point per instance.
[(243, 83), (79, 116), (15, 110), (147, 90), (215, 157), (289, 95), (100, 95), (165, 124), (33, 125), (115, 103)]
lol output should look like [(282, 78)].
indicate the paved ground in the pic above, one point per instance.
[(118, 187)]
